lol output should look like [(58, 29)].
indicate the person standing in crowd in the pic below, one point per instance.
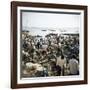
[(49, 42), (57, 39), (61, 61), (66, 70), (55, 69), (38, 44), (45, 72), (74, 66)]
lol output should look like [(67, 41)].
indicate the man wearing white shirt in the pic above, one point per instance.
[(74, 66), (61, 61)]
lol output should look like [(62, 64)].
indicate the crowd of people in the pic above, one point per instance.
[(50, 55)]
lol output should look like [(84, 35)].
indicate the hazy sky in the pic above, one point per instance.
[(32, 19), (49, 20)]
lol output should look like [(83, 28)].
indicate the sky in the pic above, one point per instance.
[(33, 21)]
